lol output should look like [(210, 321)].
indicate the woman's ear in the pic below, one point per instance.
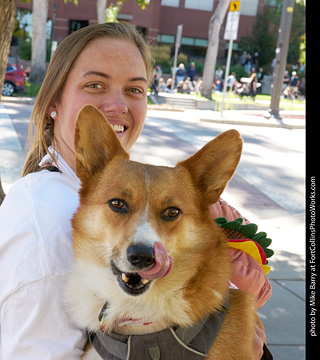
[(52, 111)]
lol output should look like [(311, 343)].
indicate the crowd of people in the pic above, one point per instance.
[(187, 81)]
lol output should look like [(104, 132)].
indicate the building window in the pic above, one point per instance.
[(168, 39), (206, 5), (249, 7), (75, 25), (172, 3), (187, 41), (201, 42)]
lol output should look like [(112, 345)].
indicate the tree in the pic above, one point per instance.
[(39, 41), (7, 22), (213, 46), (101, 11)]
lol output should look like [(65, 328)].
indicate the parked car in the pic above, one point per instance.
[(14, 80)]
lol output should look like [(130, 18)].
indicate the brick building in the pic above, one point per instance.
[(158, 21)]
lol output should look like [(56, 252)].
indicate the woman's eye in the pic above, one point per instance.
[(95, 86), (170, 214), (118, 205), (135, 90)]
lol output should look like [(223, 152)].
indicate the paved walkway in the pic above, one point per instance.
[(284, 314)]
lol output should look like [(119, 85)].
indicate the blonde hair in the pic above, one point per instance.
[(41, 134)]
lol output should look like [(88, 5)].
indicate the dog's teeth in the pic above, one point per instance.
[(124, 277), (144, 281)]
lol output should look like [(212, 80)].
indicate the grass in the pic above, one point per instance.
[(261, 100), (31, 90)]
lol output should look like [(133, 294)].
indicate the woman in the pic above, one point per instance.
[(108, 66), (253, 83)]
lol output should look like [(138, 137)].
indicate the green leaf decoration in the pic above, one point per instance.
[(249, 231)]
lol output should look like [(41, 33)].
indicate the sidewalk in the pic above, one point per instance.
[(284, 313)]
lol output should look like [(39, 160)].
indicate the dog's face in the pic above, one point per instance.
[(143, 231)]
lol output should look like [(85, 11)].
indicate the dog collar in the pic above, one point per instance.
[(191, 343)]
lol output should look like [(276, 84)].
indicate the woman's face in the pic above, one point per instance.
[(111, 75)]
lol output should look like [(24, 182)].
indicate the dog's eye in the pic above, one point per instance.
[(118, 205), (170, 214)]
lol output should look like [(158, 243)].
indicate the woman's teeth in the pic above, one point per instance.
[(118, 128)]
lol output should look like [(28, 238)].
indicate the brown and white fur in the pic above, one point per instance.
[(156, 204)]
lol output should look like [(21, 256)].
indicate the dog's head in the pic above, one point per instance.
[(150, 227)]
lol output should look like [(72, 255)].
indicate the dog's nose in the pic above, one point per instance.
[(141, 256)]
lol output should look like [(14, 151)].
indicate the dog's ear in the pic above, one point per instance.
[(213, 166), (95, 142)]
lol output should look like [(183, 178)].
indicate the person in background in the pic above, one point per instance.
[(180, 73), (260, 79), (231, 81), (192, 71), (253, 83), (219, 74)]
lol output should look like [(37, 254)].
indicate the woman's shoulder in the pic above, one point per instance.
[(35, 227), (42, 189)]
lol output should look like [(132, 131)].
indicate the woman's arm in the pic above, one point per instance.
[(247, 273), (34, 324)]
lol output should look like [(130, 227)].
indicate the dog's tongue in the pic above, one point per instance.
[(163, 264)]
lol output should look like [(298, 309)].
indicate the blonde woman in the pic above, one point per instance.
[(108, 66)]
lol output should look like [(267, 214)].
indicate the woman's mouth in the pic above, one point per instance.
[(118, 129)]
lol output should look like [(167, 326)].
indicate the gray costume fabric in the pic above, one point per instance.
[(192, 343)]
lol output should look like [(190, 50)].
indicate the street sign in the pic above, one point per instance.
[(179, 35), (234, 6), (231, 31)]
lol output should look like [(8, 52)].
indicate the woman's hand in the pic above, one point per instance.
[(258, 341)]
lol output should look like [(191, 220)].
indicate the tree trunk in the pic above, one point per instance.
[(7, 20), (213, 46), (39, 41), (101, 11)]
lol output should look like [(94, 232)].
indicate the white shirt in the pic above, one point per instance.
[(35, 255)]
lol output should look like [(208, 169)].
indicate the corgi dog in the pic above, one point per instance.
[(149, 259)]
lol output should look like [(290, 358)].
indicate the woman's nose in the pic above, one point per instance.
[(115, 104)]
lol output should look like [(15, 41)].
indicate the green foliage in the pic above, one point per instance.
[(262, 40), (265, 33), (25, 49), (161, 56), (113, 10)]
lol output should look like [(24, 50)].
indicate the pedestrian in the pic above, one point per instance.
[(162, 85), (260, 79), (192, 71), (253, 83), (35, 217), (219, 74), (248, 64), (169, 85), (255, 61), (294, 84), (286, 79), (155, 84), (180, 73), (231, 81), (243, 59)]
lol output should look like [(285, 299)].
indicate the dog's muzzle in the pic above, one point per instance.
[(151, 263)]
